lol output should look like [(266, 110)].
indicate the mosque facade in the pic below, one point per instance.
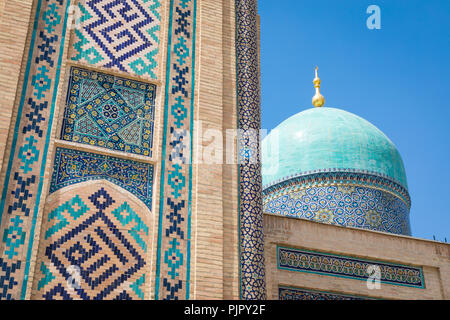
[(117, 180)]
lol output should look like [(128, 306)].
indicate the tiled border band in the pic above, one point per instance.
[(347, 267), (25, 171), (174, 234), (290, 293), (252, 269)]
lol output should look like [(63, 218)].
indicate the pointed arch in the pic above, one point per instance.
[(94, 244)]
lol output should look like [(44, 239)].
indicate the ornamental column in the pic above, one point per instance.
[(252, 271)]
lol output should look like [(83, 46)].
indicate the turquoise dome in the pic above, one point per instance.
[(328, 139)]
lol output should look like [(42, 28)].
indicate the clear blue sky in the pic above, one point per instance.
[(398, 78)]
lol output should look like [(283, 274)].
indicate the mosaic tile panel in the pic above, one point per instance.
[(26, 163), (285, 293), (122, 35), (174, 234), (93, 247), (73, 166), (340, 202), (110, 112), (252, 270), (341, 176), (347, 267)]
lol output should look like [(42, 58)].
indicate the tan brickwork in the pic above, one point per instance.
[(208, 188), (59, 108), (433, 257), (216, 212), (15, 20), (16, 17), (143, 51), (54, 142), (158, 140), (2, 7), (16, 14), (215, 231), (214, 260), (84, 205), (230, 171)]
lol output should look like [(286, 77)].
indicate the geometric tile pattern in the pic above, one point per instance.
[(252, 269), (74, 166), (342, 176), (285, 293), (348, 267), (344, 202), (13, 238), (119, 35), (24, 172), (174, 233), (7, 278), (92, 248), (109, 112)]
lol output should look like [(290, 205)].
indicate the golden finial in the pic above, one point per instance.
[(318, 100)]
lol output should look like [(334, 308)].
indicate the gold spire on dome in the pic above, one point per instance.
[(318, 100)]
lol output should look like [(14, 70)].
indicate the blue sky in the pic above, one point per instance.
[(398, 78)]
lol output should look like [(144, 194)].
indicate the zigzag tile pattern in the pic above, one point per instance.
[(24, 176), (173, 256), (94, 247), (119, 35)]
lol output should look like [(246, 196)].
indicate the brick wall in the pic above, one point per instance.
[(433, 257)]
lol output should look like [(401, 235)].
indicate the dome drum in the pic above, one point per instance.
[(342, 198)]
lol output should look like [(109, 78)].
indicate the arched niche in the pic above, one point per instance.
[(94, 244)]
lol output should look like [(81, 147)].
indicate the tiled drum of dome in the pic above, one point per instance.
[(346, 206), (118, 35), (94, 244), (342, 204), (110, 112)]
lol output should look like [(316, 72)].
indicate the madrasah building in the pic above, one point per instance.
[(102, 102)]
